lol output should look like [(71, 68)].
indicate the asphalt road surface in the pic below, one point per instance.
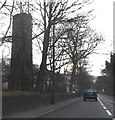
[(103, 108)]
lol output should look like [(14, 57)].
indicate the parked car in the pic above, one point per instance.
[(89, 94)]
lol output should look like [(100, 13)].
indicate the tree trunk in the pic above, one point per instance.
[(72, 81), (43, 68), (21, 74)]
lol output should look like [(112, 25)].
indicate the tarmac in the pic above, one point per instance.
[(36, 113)]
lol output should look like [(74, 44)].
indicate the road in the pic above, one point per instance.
[(103, 108)]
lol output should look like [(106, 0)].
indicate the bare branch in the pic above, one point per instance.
[(3, 4)]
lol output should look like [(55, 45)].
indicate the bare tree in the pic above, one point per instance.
[(80, 42), (53, 14), (6, 12), (74, 42), (2, 4)]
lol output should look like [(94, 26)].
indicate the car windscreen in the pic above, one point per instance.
[(90, 90)]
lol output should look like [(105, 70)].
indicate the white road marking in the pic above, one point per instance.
[(108, 112), (104, 107), (100, 101)]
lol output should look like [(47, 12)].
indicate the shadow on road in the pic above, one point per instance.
[(90, 100)]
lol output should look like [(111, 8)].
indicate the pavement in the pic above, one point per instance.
[(36, 113)]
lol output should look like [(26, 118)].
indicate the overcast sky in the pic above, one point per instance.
[(114, 27), (103, 23)]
